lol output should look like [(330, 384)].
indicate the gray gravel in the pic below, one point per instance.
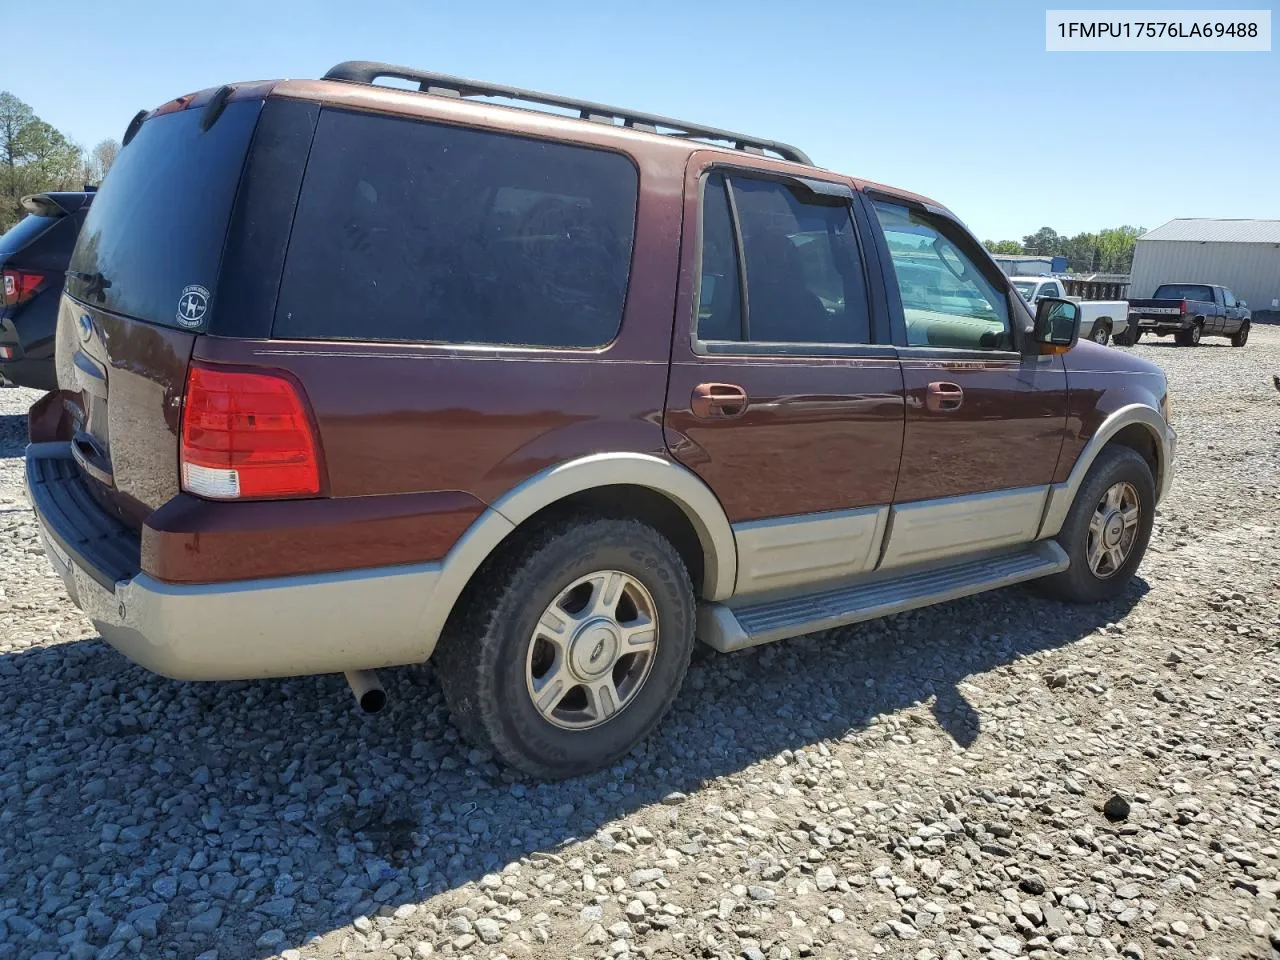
[(941, 784)]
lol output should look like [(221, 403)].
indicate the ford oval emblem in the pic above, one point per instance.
[(86, 327)]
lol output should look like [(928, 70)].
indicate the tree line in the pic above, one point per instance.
[(1107, 251), (36, 158)]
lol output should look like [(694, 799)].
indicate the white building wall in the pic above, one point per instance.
[(1250, 270)]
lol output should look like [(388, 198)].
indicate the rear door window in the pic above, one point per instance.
[(415, 231), (152, 243), (804, 275)]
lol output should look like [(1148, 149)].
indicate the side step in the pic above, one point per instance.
[(746, 624)]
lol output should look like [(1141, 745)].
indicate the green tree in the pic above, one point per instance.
[(34, 157), (1081, 252), (1003, 246), (1045, 242), (1115, 248)]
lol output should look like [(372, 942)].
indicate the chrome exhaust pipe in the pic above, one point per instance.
[(367, 690)]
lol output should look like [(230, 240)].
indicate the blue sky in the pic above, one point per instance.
[(956, 100)]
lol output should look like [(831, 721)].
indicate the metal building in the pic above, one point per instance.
[(1243, 255), (1023, 265)]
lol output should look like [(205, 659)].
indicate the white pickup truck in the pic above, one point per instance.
[(1100, 320)]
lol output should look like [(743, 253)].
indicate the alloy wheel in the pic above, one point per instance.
[(592, 650), (1113, 529)]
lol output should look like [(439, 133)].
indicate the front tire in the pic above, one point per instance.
[(1107, 528), (568, 650), (1101, 332), (1241, 336)]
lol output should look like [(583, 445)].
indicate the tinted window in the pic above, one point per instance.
[(947, 301), (23, 232), (804, 276), (426, 232), (1183, 291), (719, 293), (152, 242)]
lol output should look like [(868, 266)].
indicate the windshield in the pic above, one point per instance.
[(1184, 291), (1025, 287), (23, 232), (152, 242)]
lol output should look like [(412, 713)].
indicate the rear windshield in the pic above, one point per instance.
[(23, 232), (415, 231), (152, 241), (1184, 291)]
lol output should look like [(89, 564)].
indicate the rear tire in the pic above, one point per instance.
[(1190, 338), (1241, 336), (1128, 337), (512, 657), (1101, 332), (1104, 549)]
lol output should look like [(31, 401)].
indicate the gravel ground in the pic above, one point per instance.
[(938, 784)]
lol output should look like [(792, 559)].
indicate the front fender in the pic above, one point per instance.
[(1062, 495)]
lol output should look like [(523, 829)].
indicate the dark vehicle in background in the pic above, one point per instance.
[(1190, 311), (33, 264), (353, 376)]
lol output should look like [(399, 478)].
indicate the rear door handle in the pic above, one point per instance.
[(718, 401), (943, 396)]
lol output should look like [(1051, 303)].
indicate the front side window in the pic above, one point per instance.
[(947, 301), (804, 276), (1228, 298), (416, 231)]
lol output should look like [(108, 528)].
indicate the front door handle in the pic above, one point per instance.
[(718, 401), (943, 397)]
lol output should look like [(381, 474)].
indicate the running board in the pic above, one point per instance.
[(746, 624)]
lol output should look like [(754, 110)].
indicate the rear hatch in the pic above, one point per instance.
[(141, 288)]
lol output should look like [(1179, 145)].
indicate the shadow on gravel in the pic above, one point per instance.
[(13, 435), (248, 816)]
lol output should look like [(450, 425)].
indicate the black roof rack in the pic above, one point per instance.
[(367, 71)]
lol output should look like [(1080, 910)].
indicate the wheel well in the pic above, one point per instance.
[(623, 501), (1137, 437)]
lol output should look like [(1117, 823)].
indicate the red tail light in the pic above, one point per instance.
[(1183, 305), (20, 286), (246, 434)]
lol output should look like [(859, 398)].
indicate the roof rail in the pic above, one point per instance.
[(367, 71)]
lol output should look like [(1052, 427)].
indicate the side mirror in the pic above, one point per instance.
[(1057, 325)]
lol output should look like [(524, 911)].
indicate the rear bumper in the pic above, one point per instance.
[(283, 626), (1163, 325)]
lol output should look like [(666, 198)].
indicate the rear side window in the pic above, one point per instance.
[(23, 232), (151, 245), (415, 231)]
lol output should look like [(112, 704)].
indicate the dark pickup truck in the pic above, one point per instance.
[(1190, 311)]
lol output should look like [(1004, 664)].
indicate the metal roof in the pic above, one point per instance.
[(1217, 231)]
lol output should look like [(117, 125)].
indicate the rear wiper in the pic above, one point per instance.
[(96, 283)]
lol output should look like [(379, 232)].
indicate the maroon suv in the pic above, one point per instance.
[(354, 376)]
